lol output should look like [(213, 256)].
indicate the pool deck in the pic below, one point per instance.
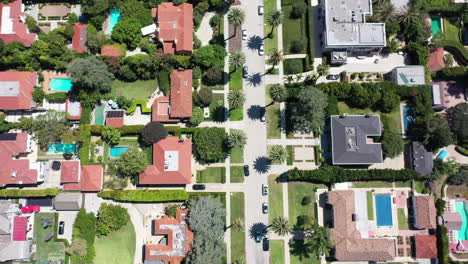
[(48, 76)]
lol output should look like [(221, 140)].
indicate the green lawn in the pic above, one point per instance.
[(370, 205), (51, 250), (237, 155), (216, 106), (275, 198), (372, 184), (296, 192), (237, 174), (237, 237), (235, 79), (276, 251), (402, 219), (273, 116), (236, 114), (292, 29), (270, 43), (117, 247), (395, 115), (138, 90), (297, 260), (212, 175), (451, 31), (290, 150)]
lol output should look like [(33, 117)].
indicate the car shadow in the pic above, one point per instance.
[(262, 164)]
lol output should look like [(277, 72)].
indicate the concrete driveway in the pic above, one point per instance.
[(69, 219)]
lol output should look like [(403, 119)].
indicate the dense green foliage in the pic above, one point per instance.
[(4, 125), (127, 32), (85, 228), (17, 193), (211, 144), (307, 111), (58, 96), (130, 164), (153, 133), (145, 195), (90, 75), (392, 142), (111, 135), (461, 177), (209, 56), (437, 133), (38, 94), (458, 120), (442, 244), (111, 218), (197, 116)]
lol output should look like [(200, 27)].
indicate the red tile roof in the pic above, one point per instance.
[(175, 27), (115, 121), (436, 60), (158, 172), (110, 50), (14, 29), (70, 171), (424, 212), (426, 246), (160, 110), (19, 228), (21, 85), (15, 171), (182, 243), (181, 94), (91, 179), (80, 36)]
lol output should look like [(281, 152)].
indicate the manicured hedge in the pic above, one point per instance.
[(86, 115), (457, 49), (334, 174), (163, 81), (142, 104), (442, 244), (16, 193), (462, 150), (83, 152), (59, 96), (145, 195), (96, 130), (310, 32), (440, 205), (85, 228)]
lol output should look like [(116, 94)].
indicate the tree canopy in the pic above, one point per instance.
[(111, 218), (437, 133), (211, 144), (130, 164), (308, 111), (153, 132), (90, 74), (127, 32), (458, 121), (461, 177), (209, 56)]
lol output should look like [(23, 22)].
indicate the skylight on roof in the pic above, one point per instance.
[(171, 160)]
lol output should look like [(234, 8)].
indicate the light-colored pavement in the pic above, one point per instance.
[(69, 219), (455, 155), (314, 141), (205, 33)]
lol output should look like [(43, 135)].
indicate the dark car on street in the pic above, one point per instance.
[(61, 227), (246, 170), (266, 244), (333, 77), (199, 187)]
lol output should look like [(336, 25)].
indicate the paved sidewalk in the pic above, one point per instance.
[(314, 141)]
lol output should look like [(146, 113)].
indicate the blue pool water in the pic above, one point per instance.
[(115, 17), (436, 24), (408, 117), (116, 152), (383, 207), (461, 208), (442, 154), (61, 84), (61, 148)]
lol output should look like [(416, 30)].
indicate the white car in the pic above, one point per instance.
[(261, 50), (260, 10), (244, 34)]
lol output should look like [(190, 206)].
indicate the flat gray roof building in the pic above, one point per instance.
[(346, 27), (409, 75), (70, 201), (350, 144)]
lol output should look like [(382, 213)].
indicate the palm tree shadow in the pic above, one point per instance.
[(254, 42), (299, 248), (255, 79), (257, 227), (255, 112), (262, 164)]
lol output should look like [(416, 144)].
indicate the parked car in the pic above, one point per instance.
[(265, 208), (244, 34), (61, 227), (246, 170), (333, 77), (261, 50), (245, 71), (199, 187), (258, 236), (260, 10), (266, 244), (264, 189), (263, 118)]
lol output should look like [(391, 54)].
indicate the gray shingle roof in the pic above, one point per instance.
[(349, 140), (422, 159), (67, 202)]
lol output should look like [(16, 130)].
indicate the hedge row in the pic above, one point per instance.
[(86, 115), (310, 31), (457, 49), (462, 150), (83, 152), (145, 195), (142, 104), (16, 193), (442, 244), (59, 96), (96, 130), (333, 174)]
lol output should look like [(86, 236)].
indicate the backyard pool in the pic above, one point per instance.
[(461, 208), (61, 84), (442, 155), (61, 148), (407, 115), (115, 17), (383, 207), (436, 24), (116, 152)]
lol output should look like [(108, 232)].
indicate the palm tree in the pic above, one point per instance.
[(274, 19), (385, 12), (237, 138), (408, 15), (278, 154), (289, 79), (236, 99), (238, 224), (275, 57), (323, 69), (236, 60), (299, 77), (278, 93), (280, 226), (236, 17), (319, 243)]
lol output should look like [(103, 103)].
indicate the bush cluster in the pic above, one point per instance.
[(13, 193), (111, 218), (85, 228), (145, 195), (442, 244), (59, 96)]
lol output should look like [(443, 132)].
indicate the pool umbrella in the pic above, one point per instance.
[(24, 210)]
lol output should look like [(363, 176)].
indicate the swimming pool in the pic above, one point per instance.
[(115, 17), (460, 206), (116, 152), (383, 207), (436, 24), (61, 84), (407, 114), (442, 154), (61, 148)]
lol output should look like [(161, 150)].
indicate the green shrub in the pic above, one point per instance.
[(292, 66), (453, 73), (172, 210), (16, 193), (59, 96), (457, 49), (38, 94), (164, 82), (83, 152), (440, 205), (142, 104), (145, 195), (86, 113), (131, 130), (111, 218), (442, 244), (85, 228), (462, 150)]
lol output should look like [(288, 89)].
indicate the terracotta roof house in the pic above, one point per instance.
[(176, 243), (174, 27), (115, 118), (349, 244), (15, 169), (16, 90), (86, 178), (453, 220), (12, 26), (80, 36), (178, 105), (426, 246), (12, 248), (350, 140), (425, 213), (172, 163), (436, 60)]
